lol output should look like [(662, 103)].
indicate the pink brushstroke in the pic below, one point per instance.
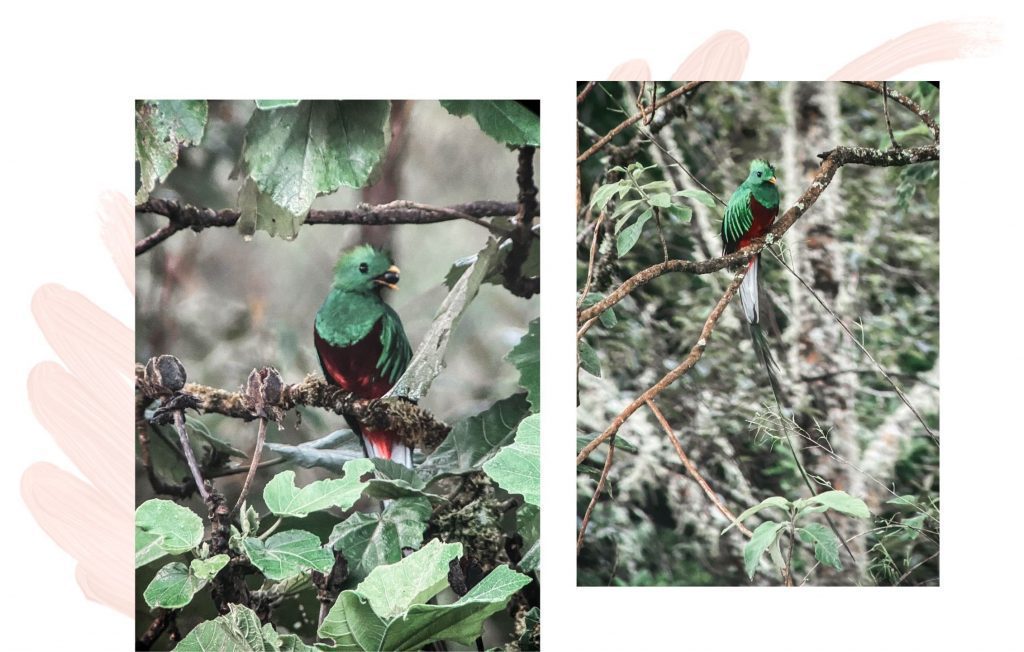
[(86, 404), (929, 44), (632, 70), (720, 58)]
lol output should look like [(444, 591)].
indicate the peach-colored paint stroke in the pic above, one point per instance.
[(86, 403), (720, 58), (929, 44), (632, 70)]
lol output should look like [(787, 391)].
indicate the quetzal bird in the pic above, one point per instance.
[(360, 340), (751, 211)]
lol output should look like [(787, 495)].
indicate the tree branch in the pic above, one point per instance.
[(413, 425), (522, 234), (832, 161), (679, 92), (887, 91), (186, 216)]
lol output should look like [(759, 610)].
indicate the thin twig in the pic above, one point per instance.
[(597, 493), (261, 437), (916, 566), (691, 468), (586, 91), (590, 263), (885, 109), (888, 378), (679, 92), (190, 456), (695, 354)]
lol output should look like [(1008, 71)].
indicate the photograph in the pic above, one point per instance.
[(757, 273), (337, 374)]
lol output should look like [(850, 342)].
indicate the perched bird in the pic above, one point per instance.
[(360, 340), (750, 213)]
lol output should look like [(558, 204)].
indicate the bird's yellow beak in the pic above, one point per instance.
[(389, 279), (773, 181)]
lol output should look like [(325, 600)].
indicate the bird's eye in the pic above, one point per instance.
[(758, 175), (363, 267)]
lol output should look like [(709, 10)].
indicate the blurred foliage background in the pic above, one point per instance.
[(869, 246), (224, 306)]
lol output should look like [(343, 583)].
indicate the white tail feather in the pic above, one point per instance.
[(748, 292), (400, 453)]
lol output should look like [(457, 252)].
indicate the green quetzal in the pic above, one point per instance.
[(750, 213), (360, 340)]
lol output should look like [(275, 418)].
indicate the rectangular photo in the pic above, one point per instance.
[(757, 334), (337, 396)]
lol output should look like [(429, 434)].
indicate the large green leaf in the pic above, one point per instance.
[(175, 584), (842, 502), (474, 440), (528, 526), (629, 235), (506, 121), (283, 498), (429, 357), (516, 468), (259, 212), (394, 480), (163, 527), (374, 539), (331, 452), (393, 589), (589, 361), (238, 631), (764, 536), (461, 621), (161, 128), (295, 153), (172, 587), (286, 554), (826, 545), (525, 356)]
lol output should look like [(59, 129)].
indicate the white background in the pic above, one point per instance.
[(70, 74)]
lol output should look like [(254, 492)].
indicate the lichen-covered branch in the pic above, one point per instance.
[(186, 216), (410, 423)]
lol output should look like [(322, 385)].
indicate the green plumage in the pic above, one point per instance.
[(759, 185)]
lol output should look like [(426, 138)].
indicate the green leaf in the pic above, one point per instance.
[(620, 442), (661, 200), (843, 502), (906, 500), (173, 586), (374, 539), (295, 153), (352, 624), (429, 357), (775, 501), (516, 468), (267, 105), (657, 185), (476, 439), (283, 498), (826, 545), (699, 195), (394, 480), (461, 621), (588, 358), (207, 569), (506, 121), (528, 527), (631, 233), (603, 195), (238, 631), (259, 212), (391, 590), (607, 317), (161, 128), (330, 452), (681, 214), (763, 537), (525, 357), (624, 208), (163, 527), (286, 554)]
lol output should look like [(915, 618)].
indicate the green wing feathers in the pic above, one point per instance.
[(738, 216), (396, 352)]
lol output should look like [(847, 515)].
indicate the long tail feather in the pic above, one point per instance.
[(748, 291), (771, 368)]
